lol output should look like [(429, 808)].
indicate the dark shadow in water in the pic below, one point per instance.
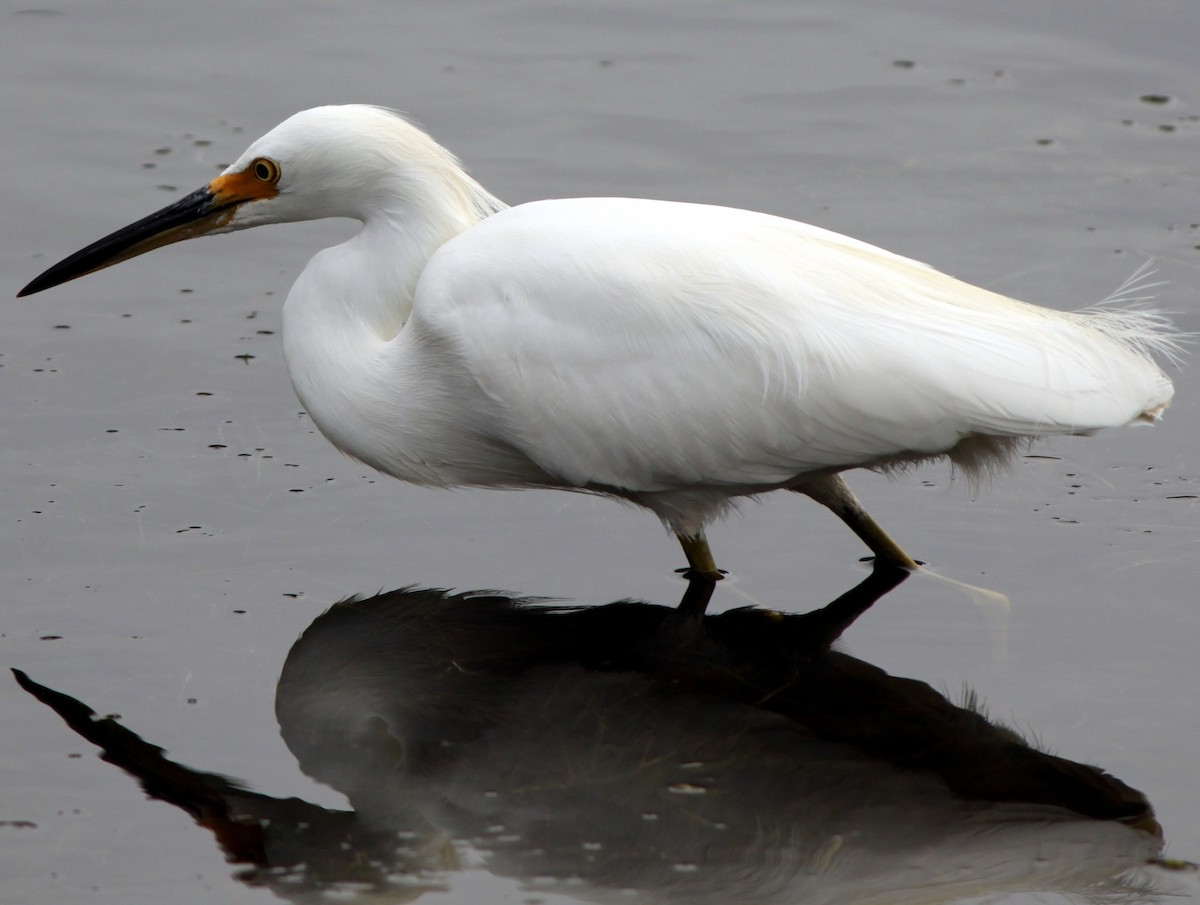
[(629, 753)]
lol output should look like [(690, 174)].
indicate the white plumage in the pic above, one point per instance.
[(676, 355)]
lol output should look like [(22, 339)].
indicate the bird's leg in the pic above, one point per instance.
[(832, 493), (825, 626), (702, 574)]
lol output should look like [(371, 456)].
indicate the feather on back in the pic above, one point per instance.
[(655, 346)]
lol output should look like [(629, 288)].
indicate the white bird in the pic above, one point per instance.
[(678, 356)]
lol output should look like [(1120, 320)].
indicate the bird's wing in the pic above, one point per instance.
[(651, 345)]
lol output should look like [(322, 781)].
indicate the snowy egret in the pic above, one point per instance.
[(678, 356)]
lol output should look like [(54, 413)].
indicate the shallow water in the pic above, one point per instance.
[(173, 523)]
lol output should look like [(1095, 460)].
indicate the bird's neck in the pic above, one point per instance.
[(343, 323), (370, 281), (379, 268)]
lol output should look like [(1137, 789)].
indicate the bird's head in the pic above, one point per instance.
[(337, 161)]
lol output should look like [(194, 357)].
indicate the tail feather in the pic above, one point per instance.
[(1128, 316)]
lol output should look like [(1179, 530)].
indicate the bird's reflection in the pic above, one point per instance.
[(630, 753)]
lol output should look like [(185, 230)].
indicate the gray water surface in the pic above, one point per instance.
[(172, 521)]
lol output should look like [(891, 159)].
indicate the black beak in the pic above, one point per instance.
[(193, 215)]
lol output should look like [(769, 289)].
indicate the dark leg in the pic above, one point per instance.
[(827, 624), (702, 574), (832, 493)]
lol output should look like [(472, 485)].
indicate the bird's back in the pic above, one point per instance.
[(653, 346)]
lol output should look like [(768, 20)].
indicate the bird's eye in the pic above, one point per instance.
[(265, 170)]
